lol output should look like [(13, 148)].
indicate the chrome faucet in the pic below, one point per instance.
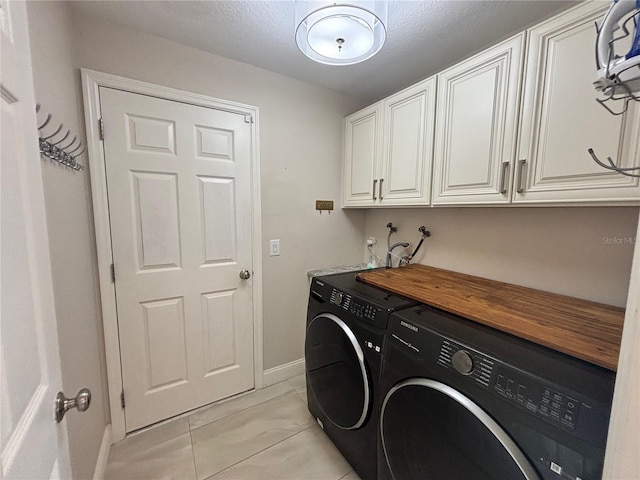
[(391, 248)]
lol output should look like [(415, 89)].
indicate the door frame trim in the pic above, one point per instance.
[(91, 81)]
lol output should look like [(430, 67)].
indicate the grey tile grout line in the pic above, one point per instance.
[(222, 402), (348, 473), (191, 412), (193, 454), (244, 409), (190, 430), (239, 411), (186, 415), (253, 455), (301, 398)]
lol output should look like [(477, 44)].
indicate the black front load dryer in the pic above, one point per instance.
[(346, 323), (463, 401)]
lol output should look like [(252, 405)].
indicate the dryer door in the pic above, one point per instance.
[(336, 371), (431, 431)]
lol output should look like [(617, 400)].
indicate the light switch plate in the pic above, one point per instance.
[(274, 247)]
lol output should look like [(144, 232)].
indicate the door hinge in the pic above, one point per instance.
[(248, 119), (122, 398), (113, 273), (101, 128)]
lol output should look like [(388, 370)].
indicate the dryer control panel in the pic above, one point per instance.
[(345, 295), (358, 308)]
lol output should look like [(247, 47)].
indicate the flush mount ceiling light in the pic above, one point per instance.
[(340, 33)]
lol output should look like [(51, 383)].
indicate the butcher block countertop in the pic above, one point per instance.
[(580, 328)]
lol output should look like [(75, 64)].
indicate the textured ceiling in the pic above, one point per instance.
[(423, 37)]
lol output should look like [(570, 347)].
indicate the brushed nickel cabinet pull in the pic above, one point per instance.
[(503, 177), (380, 191), (521, 175), (374, 189)]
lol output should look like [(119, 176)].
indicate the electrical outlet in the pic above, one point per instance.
[(372, 241), (274, 248)]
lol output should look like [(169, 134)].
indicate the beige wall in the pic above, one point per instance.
[(71, 238), (585, 252), (300, 156)]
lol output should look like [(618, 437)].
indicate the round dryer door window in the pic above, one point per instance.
[(336, 371), (431, 431)]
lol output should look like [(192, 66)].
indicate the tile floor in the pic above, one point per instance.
[(265, 435)]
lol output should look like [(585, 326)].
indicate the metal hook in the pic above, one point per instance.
[(54, 133), (63, 138), (45, 122), (71, 151), (72, 142), (612, 166), (622, 112), (78, 154)]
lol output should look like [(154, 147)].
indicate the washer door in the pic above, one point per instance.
[(336, 372), (431, 431)]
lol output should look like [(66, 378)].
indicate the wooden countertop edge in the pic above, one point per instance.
[(505, 317)]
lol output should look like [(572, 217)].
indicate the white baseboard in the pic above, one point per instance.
[(283, 372), (103, 455)]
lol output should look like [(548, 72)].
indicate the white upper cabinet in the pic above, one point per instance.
[(507, 129), (405, 173), (363, 134), (561, 119), (388, 150), (476, 121)]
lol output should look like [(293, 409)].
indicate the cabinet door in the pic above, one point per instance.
[(561, 119), (476, 120), (405, 175), (363, 132)]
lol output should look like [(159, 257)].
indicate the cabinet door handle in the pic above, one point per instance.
[(374, 189), (380, 191), (521, 175), (503, 177)]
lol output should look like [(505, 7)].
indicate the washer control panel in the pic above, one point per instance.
[(541, 400), (358, 308), (518, 388), (467, 362)]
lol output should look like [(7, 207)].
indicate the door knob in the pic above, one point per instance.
[(245, 274), (82, 401)]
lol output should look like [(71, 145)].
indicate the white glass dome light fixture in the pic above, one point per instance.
[(337, 33)]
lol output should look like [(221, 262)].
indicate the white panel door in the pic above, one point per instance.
[(32, 445), (363, 135), (561, 119), (178, 178), (476, 125), (405, 176)]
